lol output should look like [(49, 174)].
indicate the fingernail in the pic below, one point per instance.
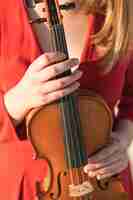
[(75, 61), (85, 169), (98, 177), (91, 174)]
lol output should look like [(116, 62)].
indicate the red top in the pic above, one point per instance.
[(18, 48)]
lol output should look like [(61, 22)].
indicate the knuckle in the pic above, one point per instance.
[(57, 96), (62, 93), (60, 56), (55, 70), (61, 83), (51, 57), (45, 99), (46, 58)]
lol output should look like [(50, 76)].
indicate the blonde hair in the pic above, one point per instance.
[(114, 33)]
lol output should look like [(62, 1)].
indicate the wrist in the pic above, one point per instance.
[(15, 104), (125, 132)]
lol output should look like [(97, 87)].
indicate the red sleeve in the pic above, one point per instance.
[(126, 101), (7, 130)]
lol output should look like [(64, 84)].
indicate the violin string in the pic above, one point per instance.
[(77, 118), (54, 48), (71, 111), (60, 46), (60, 40), (80, 133), (65, 114), (75, 127), (67, 143), (72, 100), (78, 174), (77, 122), (74, 131), (78, 129)]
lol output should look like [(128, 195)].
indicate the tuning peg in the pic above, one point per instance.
[(38, 21)]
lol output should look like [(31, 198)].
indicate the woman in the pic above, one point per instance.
[(25, 84)]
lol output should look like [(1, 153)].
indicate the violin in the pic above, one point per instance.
[(66, 132)]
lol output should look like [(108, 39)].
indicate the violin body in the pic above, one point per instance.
[(65, 133), (45, 131)]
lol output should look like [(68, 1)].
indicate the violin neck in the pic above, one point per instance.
[(58, 39)]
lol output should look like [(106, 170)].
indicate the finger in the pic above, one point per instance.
[(106, 162), (45, 60), (112, 169), (59, 94), (116, 170), (56, 69), (54, 85)]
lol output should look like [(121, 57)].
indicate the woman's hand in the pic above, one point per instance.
[(38, 86), (111, 160)]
